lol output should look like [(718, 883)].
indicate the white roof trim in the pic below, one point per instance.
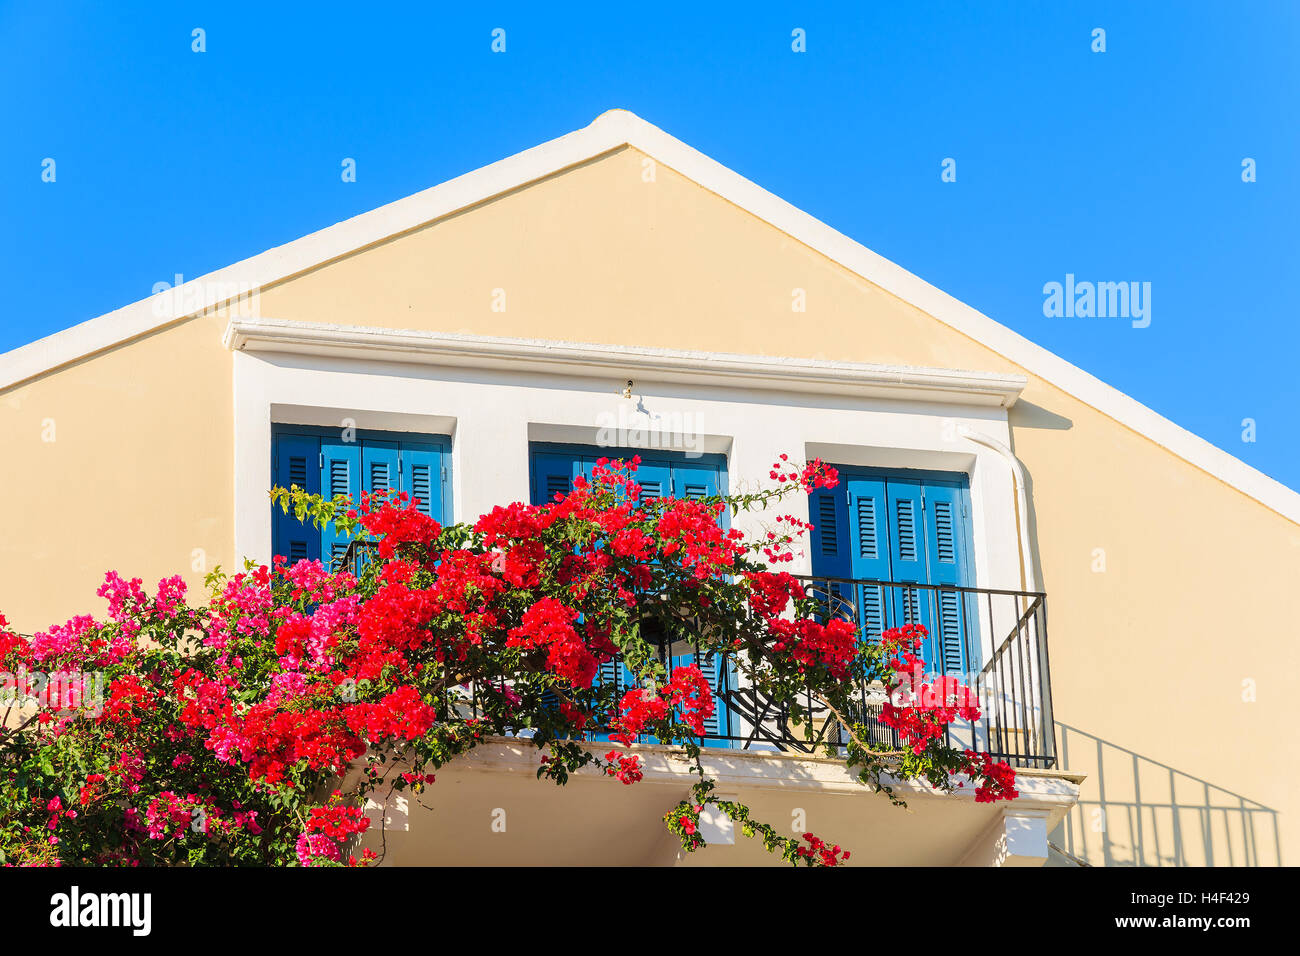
[(610, 131), (674, 365)]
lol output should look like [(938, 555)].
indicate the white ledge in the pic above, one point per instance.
[(719, 368), (1053, 791)]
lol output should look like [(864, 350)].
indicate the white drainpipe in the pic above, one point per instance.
[(1022, 500)]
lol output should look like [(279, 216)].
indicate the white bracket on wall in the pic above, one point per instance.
[(1016, 838)]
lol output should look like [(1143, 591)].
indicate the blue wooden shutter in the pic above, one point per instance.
[(379, 467), (945, 558), (904, 497), (422, 477), (830, 541), (340, 475), (655, 479), (693, 478), (553, 474), (654, 476), (295, 461), (660, 476), (907, 530), (868, 527)]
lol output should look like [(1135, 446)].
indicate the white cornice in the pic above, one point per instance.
[(667, 365), (610, 131)]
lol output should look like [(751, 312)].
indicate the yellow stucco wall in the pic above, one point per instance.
[(137, 476), (1148, 657)]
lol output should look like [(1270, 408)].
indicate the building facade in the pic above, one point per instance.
[(483, 341)]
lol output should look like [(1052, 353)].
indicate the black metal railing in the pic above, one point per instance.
[(993, 641)]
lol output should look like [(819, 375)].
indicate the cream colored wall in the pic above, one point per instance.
[(137, 478), (1148, 657)]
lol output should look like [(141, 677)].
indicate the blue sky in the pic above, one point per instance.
[(1117, 166)]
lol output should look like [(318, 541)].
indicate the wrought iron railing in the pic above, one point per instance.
[(993, 641)]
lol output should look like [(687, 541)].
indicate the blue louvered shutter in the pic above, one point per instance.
[(908, 557), (422, 480), (296, 461), (696, 479), (553, 474), (869, 550), (829, 513), (831, 543), (945, 559), (655, 478), (340, 475), (379, 467), (693, 478)]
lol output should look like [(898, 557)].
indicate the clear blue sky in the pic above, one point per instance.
[(1123, 165)]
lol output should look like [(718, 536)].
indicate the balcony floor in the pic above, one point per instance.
[(488, 809)]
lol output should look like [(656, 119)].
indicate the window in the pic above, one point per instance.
[(320, 462), (660, 474), (909, 527)]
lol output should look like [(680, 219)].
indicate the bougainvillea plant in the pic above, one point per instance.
[(252, 730)]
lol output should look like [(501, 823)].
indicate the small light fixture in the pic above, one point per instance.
[(627, 389)]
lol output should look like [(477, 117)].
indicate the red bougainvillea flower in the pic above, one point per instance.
[(186, 735)]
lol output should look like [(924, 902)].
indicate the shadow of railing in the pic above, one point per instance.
[(1142, 812)]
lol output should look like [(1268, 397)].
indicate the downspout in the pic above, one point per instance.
[(1022, 500)]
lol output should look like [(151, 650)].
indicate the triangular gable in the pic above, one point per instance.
[(610, 131)]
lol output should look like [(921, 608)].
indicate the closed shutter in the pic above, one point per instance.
[(422, 479), (910, 528), (553, 474), (316, 460), (340, 475), (869, 551), (908, 558), (695, 479), (660, 475), (830, 541), (295, 461), (655, 478), (379, 467), (836, 551), (945, 559)]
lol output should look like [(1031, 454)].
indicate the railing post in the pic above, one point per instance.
[(1049, 718)]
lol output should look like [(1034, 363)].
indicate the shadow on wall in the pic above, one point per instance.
[(1146, 813)]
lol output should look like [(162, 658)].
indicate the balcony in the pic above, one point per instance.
[(994, 641)]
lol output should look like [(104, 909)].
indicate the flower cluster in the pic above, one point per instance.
[(813, 475), (818, 852), (548, 625), (214, 729), (625, 767), (996, 779)]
